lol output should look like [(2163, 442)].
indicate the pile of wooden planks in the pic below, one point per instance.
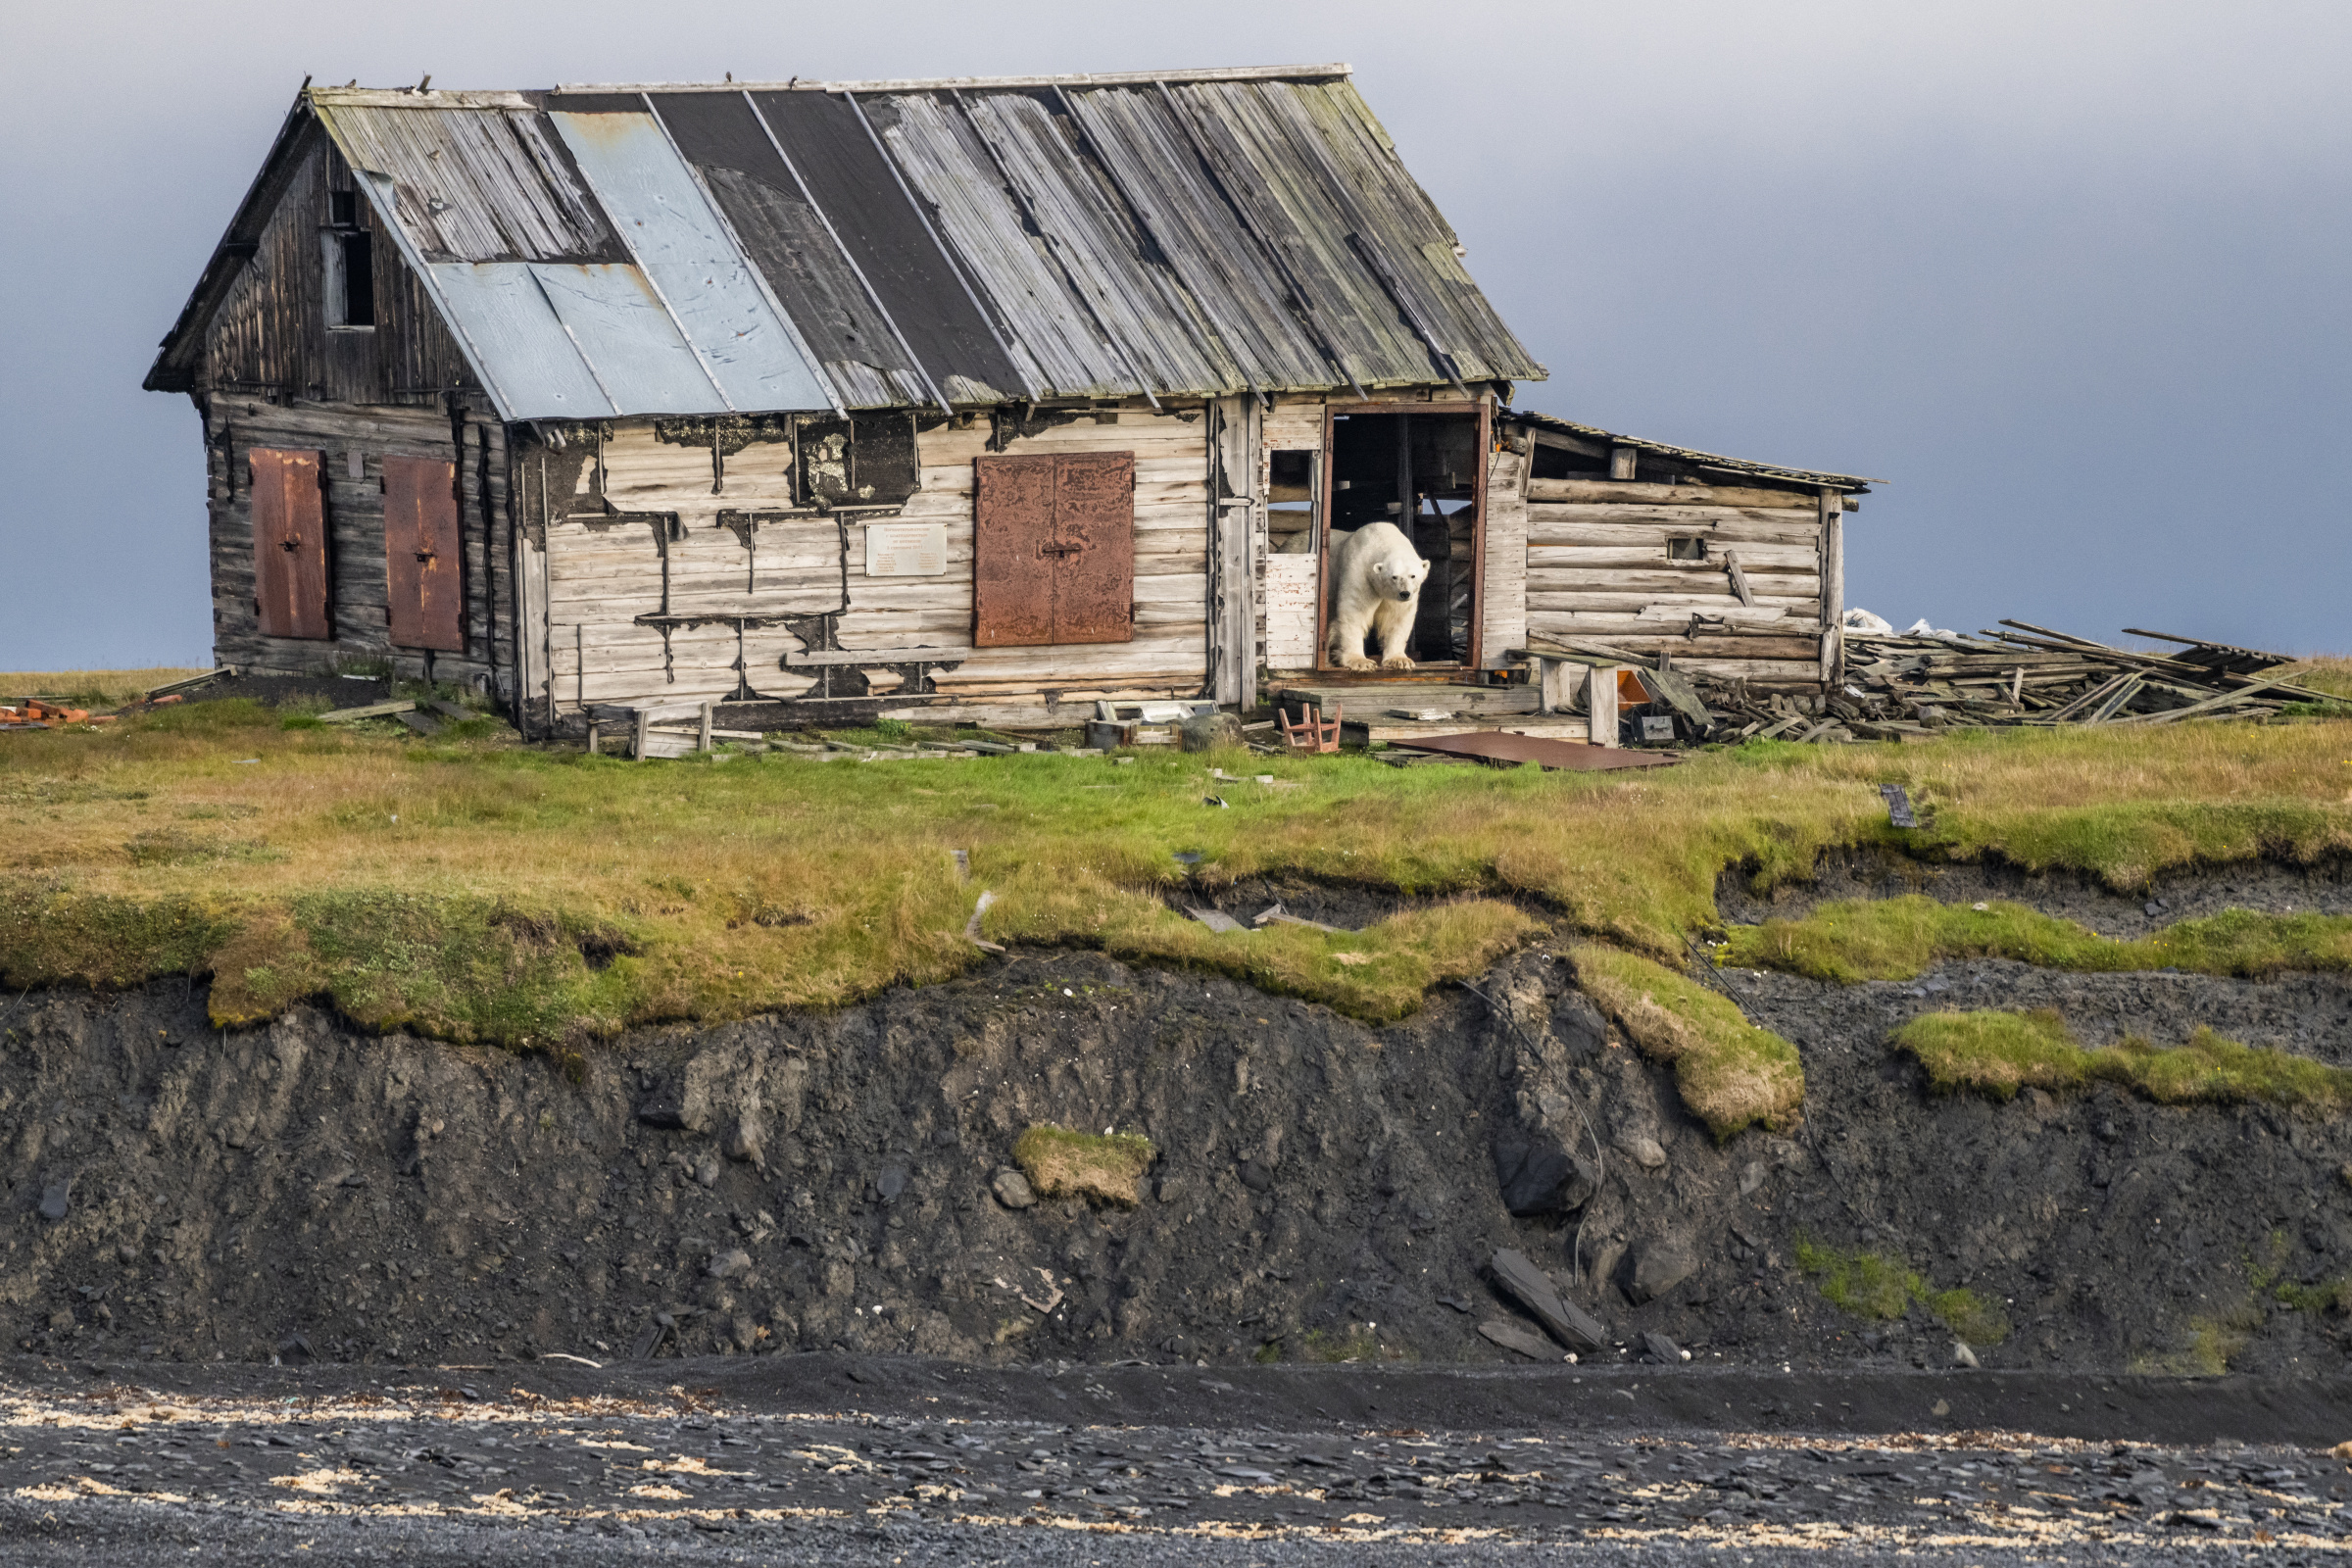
[(1911, 688)]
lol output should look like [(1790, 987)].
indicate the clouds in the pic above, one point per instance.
[(2069, 275)]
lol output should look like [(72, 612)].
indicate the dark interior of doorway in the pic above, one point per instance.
[(1417, 471)]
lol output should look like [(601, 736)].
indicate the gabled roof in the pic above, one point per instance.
[(735, 247)]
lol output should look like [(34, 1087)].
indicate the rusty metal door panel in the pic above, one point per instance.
[(1092, 548), (1012, 525), (421, 553), (289, 543)]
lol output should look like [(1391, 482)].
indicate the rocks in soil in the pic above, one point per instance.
[(1527, 1284), (1526, 1342), (1013, 1189), (55, 1197), (728, 1264), (1642, 1149), (1657, 1346), (1660, 1264), (1208, 732)]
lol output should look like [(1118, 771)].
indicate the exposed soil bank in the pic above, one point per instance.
[(1326, 1189)]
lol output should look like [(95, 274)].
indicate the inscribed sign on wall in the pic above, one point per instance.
[(905, 548)]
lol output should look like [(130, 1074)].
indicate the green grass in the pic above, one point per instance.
[(1729, 1072), (1997, 1054), (1897, 938), (778, 882), (1871, 1285), (1101, 1167)]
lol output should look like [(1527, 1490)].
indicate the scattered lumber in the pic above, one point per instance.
[(1913, 687)]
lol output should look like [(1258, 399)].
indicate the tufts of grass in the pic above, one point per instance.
[(1869, 1285), (1101, 1167), (855, 859), (1997, 1054), (1897, 938), (1730, 1073), (90, 688)]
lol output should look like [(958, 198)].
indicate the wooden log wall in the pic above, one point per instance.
[(668, 555), (354, 442), (1599, 571), (271, 336)]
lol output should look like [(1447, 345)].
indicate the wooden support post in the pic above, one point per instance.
[(645, 724), (1833, 588), (1559, 685), (592, 737), (1600, 703), (703, 741), (1620, 462)]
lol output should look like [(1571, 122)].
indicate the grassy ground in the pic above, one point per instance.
[(1731, 1074), (1101, 1167), (88, 688), (1897, 939), (476, 889), (2000, 1052)]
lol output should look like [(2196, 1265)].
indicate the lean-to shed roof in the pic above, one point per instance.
[(1595, 439), (736, 247)]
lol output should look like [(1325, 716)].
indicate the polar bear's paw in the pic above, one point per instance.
[(1356, 661), (1395, 662)]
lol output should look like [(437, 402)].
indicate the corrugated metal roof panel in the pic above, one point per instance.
[(1139, 308), (1147, 152), (697, 271), (895, 246), (628, 339), (526, 359), (476, 185), (789, 239), (1055, 345)]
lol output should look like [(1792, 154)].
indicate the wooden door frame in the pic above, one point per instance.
[(1484, 407)]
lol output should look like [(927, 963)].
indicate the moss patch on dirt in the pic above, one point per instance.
[(1730, 1073), (1871, 1285), (1997, 1054), (1898, 939), (774, 882), (1101, 1167)]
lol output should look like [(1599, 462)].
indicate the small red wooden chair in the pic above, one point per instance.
[(1310, 733)]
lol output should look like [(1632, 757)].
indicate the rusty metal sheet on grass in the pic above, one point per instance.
[(1501, 746)]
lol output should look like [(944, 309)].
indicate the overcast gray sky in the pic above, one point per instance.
[(2070, 277)]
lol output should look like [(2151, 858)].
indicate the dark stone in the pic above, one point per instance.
[(54, 1199), (1660, 1263), (1205, 732), (1537, 1176), (891, 1181), (1529, 1285), (1658, 1347), (1257, 1177)]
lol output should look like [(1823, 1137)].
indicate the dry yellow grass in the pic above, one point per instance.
[(108, 688), (2327, 674), (1101, 1167), (419, 882)]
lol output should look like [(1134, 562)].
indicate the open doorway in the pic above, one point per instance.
[(1421, 467)]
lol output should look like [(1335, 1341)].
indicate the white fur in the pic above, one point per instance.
[(1376, 590)]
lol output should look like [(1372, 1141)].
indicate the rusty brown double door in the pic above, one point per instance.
[(292, 569)]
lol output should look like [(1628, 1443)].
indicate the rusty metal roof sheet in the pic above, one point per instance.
[(818, 245)]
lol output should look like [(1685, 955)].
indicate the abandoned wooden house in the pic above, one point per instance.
[(973, 399)]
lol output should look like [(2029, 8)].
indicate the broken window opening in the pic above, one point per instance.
[(350, 292), (1291, 502), (1686, 550)]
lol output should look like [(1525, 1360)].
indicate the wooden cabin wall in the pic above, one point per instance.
[(271, 338), (602, 573), (1599, 572), (353, 513)]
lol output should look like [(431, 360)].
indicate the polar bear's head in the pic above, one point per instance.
[(1399, 579)]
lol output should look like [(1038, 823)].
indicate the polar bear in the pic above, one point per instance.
[(1375, 587)]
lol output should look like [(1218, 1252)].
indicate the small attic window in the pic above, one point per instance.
[(343, 209), (1686, 550), (350, 282)]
